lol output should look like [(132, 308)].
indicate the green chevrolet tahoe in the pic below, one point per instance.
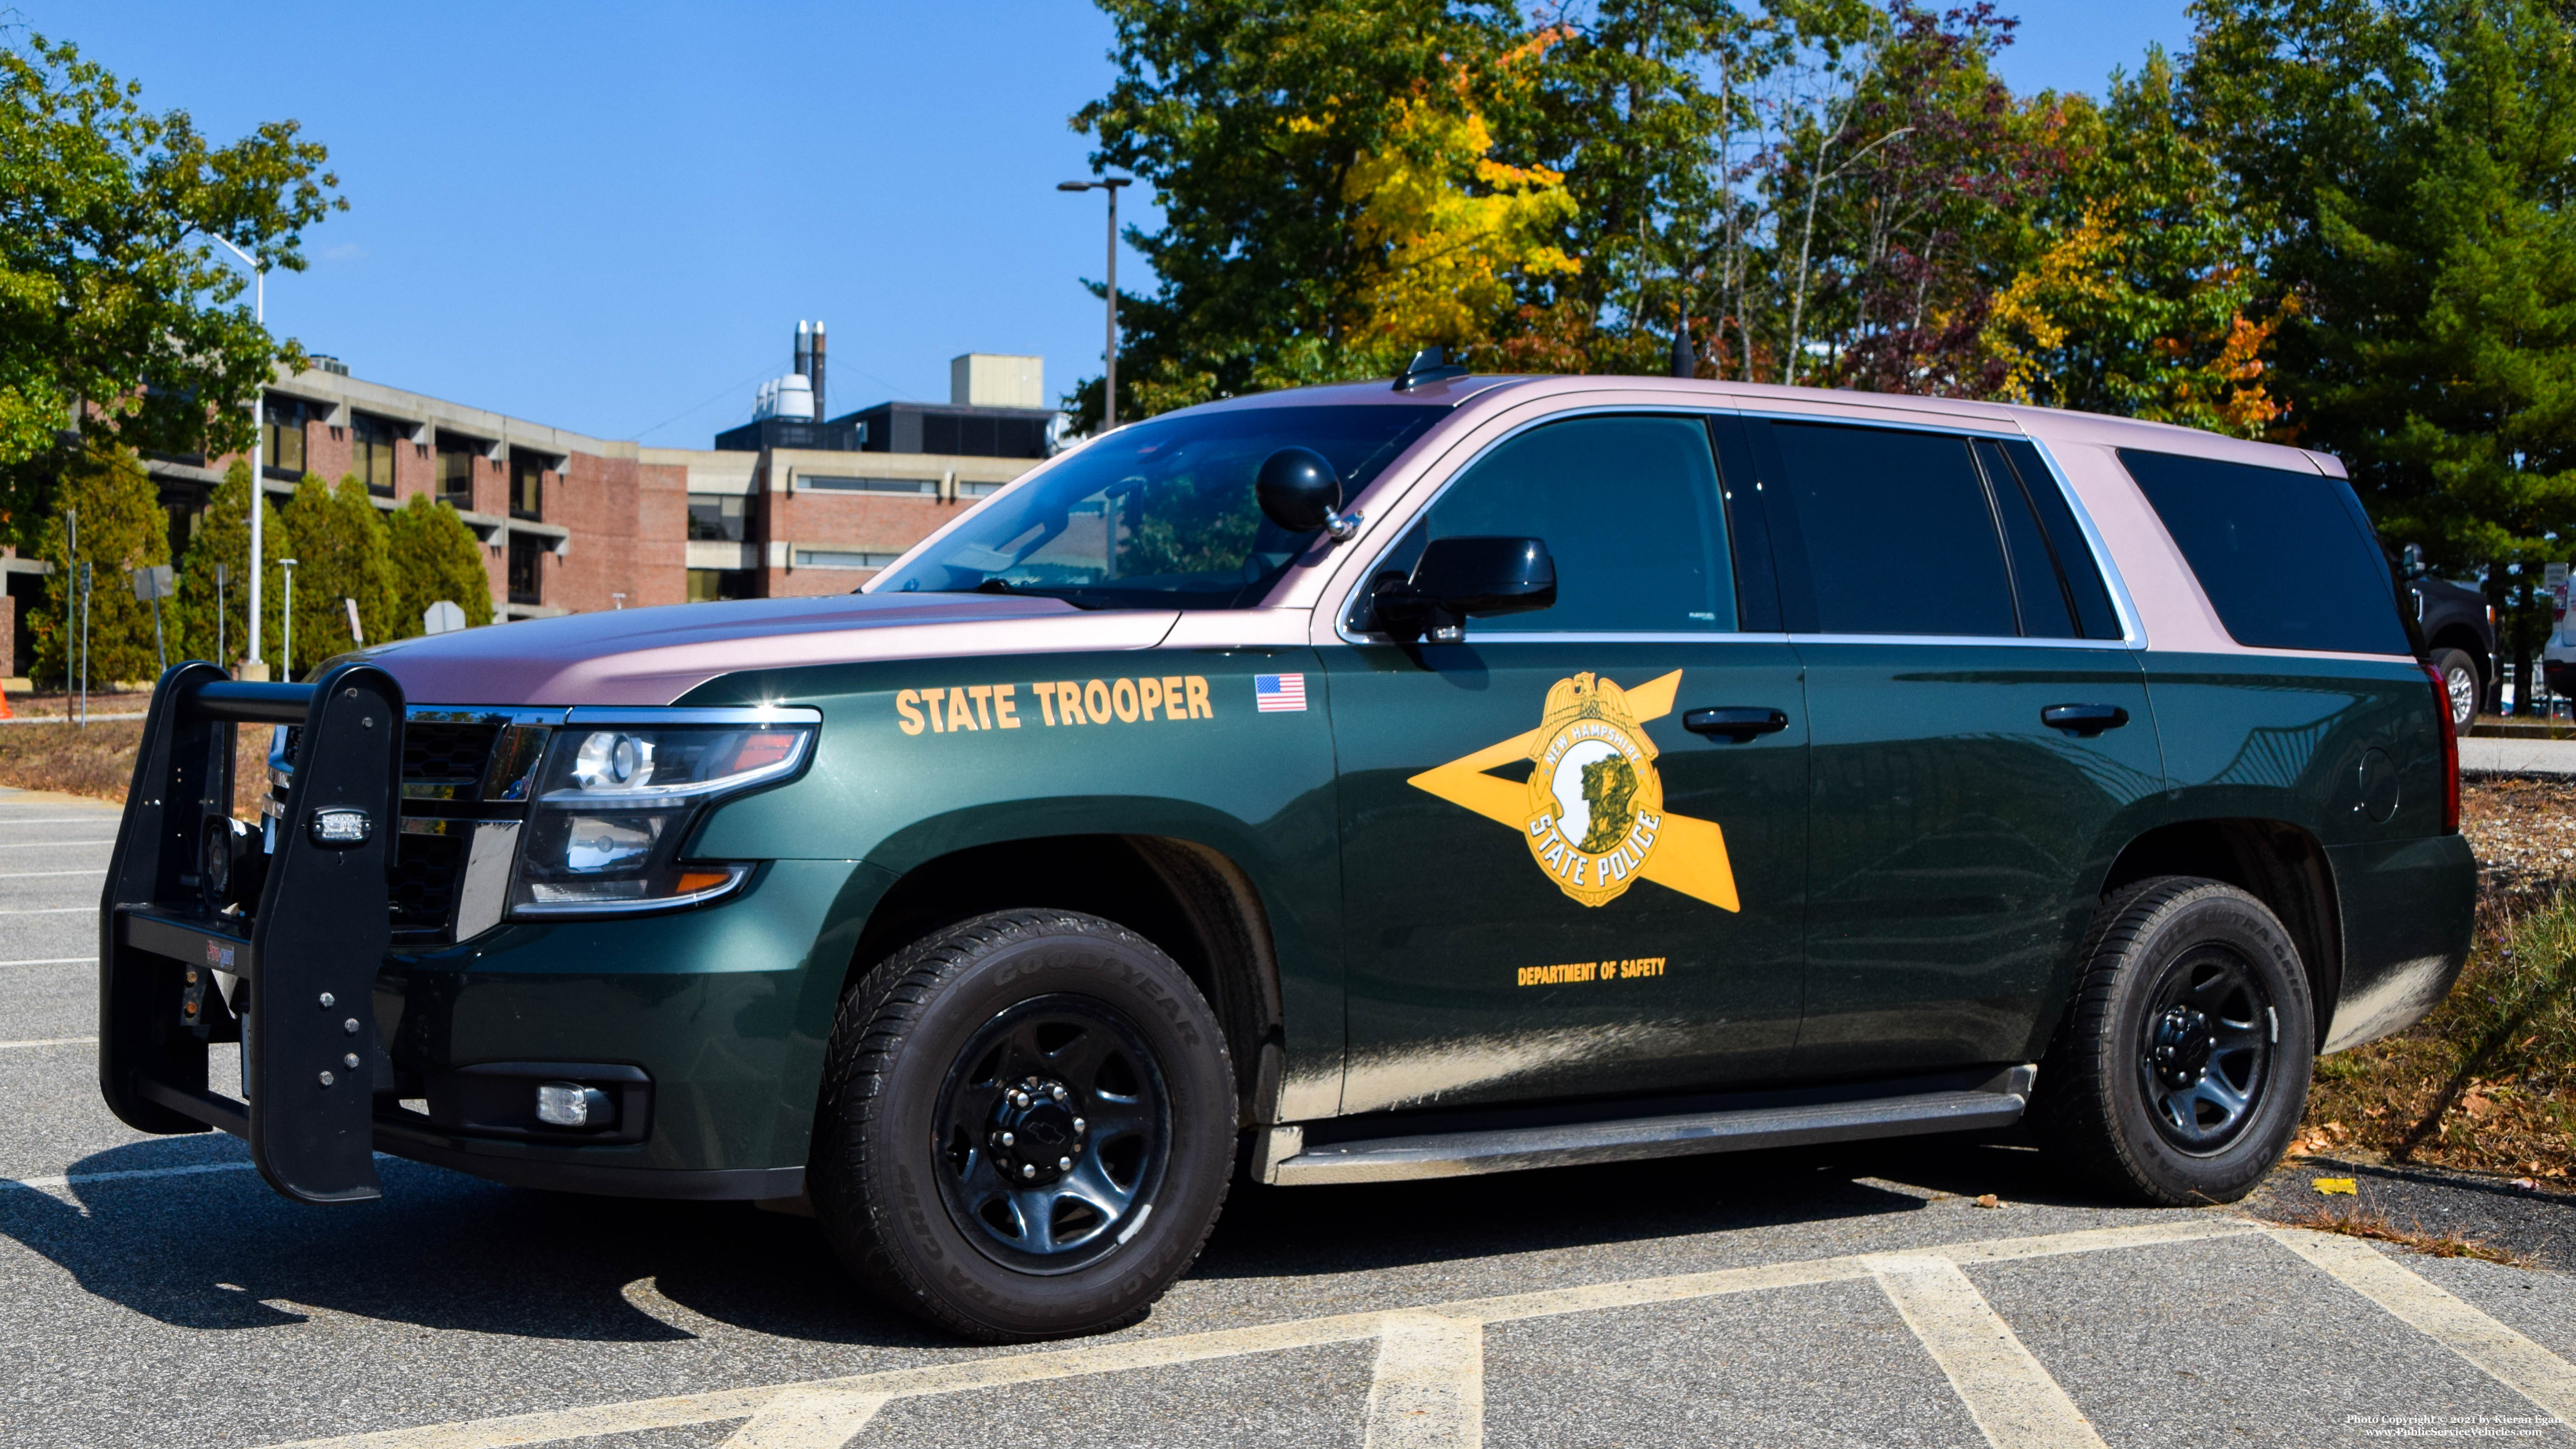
[(1342, 785)]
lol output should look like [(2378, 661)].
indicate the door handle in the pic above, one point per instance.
[(1736, 723), (2084, 721)]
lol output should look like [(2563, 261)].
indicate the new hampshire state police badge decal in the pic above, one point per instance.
[(1596, 803), (1592, 811)]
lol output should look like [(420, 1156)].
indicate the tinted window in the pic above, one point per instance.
[(1161, 514), (2287, 558), (1628, 508), (1886, 532), (2075, 566)]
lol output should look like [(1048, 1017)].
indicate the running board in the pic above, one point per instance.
[(1286, 1160)]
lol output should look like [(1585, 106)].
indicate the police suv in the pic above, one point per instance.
[(1339, 785)]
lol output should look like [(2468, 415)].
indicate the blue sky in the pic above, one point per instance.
[(610, 218)]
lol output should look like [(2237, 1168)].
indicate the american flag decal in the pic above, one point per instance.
[(1279, 693)]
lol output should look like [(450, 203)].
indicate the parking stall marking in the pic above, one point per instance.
[(52, 960), (1428, 1390), (2015, 1402), (2509, 1358), (815, 1418), (37, 874), (11, 1046), (546, 1427)]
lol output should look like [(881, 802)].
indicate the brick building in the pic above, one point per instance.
[(570, 523)]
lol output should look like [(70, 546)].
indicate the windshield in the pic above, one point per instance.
[(1158, 515)]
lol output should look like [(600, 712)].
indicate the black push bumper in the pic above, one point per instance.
[(296, 981)]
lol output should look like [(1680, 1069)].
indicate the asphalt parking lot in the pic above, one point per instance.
[(154, 1293)]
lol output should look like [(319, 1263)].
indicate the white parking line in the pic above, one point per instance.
[(2010, 1396), (1003, 1370), (53, 960), (10, 1046), (49, 910), (819, 1418), (34, 874), (53, 844), (2513, 1360), (72, 1178), (1429, 1388), (106, 813)]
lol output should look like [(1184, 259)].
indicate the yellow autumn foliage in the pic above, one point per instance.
[(1449, 229)]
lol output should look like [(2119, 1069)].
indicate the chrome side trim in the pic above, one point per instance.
[(1287, 1162)]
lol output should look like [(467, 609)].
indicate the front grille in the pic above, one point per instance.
[(441, 753), (426, 872)]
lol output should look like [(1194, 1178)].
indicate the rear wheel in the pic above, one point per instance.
[(2181, 1068), (2460, 681), (1027, 1126)]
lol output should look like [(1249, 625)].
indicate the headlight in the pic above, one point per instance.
[(619, 794)]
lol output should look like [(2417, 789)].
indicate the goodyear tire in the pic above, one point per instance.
[(2181, 1067), (1027, 1126)]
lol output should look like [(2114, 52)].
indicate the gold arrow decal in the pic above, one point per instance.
[(1591, 736)]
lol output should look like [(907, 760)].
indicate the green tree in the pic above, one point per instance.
[(222, 537), (1249, 118), (435, 556), (2417, 159), (342, 553), (121, 527), (113, 293)]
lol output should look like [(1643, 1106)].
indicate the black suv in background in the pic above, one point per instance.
[(2461, 634)]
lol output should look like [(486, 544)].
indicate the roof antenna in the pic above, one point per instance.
[(1431, 364), (1685, 362)]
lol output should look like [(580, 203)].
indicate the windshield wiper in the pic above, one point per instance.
[(996, 584)]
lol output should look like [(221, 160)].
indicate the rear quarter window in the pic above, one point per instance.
[(2287, 558)]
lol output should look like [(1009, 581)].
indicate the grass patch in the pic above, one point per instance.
[(2487, 1082), (2357, 1222), (98, 760)]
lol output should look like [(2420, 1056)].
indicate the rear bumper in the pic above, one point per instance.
[(2408, 910)]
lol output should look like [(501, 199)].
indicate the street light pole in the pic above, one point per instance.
[(1109, 384), (251, 666)]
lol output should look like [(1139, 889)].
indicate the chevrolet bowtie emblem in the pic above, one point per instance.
[(1593, 811)]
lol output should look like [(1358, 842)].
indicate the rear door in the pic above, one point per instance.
[(1551, 886), (1978, 723)]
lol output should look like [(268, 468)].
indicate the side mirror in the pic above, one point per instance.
[(1299, 491), (2411, 561), (1459, 577)]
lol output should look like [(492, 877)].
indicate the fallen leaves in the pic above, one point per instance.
[(1989, 1200), (2332, 1186)]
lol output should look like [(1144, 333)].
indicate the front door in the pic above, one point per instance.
[(1978, 726), (1552, 888)]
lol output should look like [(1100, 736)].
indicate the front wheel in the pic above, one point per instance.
[(1027, 1126), (2181, 1068)]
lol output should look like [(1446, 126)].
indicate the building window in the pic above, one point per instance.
[(527, 577), (527, 485), (706, 586), (870, 485), (978, 488), (371, 453), (716, 517), (822, 558), (456, 460), (281, 435)]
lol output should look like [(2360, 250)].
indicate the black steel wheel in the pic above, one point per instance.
[(2460, 681), (2181, 1066), (1027, 1126), (2205, 1048), (1055, 1133)]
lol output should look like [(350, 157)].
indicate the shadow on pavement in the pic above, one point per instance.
[(218, 1250)]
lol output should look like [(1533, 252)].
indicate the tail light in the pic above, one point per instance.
[(2450, 752)]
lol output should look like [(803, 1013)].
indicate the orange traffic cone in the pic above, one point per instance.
[(4, 704)]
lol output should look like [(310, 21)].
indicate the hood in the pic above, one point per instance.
[(654, 656)]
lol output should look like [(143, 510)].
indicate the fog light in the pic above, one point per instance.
[(570, 1104)]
